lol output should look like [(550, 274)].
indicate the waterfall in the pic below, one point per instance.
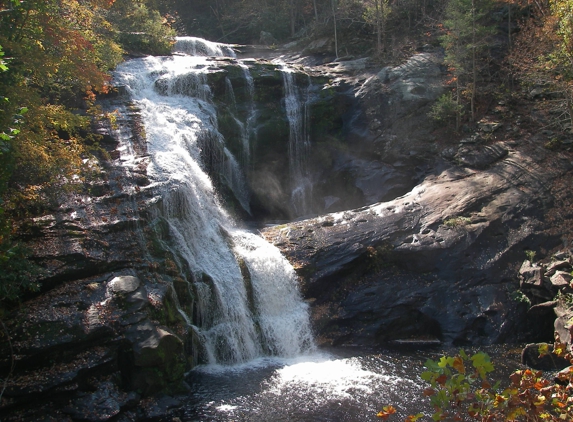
[(199, 47), (247, 300), (251, 116), (296, 105)]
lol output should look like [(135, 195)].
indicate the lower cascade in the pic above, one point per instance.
[(247, 303)]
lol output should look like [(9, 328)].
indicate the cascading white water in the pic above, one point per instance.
[(251, 116), (248, 303), (244, 127), (296, 101), (199, 47)]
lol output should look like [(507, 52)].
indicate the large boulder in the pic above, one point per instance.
[(417, 80), (439, 262), (155, 359), (531, 357)]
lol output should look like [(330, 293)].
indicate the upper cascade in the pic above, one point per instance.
[(194, 46)]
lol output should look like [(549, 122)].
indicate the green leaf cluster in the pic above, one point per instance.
[(141, 29), (454, 381), (445, 108), (459, 388)]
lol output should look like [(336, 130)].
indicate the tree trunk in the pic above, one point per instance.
[(569, 96), (509, 26), (217, 15), (378, 27), (332, 2), (385, 13), (315, 10), (458, 111), (474, 64), (292, 16)]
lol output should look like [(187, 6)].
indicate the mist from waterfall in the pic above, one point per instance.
[(247, 303)]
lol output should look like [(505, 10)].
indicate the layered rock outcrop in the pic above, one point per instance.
[(105, 331), (436, 263)]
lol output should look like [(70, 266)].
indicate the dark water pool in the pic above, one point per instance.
[(333, 385)]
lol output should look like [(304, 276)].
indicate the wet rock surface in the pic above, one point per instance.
[(440, 262), (72, 352), (366, 130)]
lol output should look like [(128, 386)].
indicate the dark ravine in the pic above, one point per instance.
[(437, 261)]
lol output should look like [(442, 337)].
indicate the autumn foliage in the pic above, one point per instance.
[(460, 388)]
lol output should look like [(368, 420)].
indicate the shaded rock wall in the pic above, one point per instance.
[(368, 139)]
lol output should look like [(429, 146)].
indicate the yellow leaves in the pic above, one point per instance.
[(559, 348), (543, 349), (39, 45), (499, 399), (515, 413), (540, 400), (386, 412)]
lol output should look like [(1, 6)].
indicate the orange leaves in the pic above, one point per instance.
[(457, 393), (499, 399), (515, 378), (428, 392), (386, 412), (458, 365)]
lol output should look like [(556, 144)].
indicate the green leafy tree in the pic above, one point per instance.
[(445, 108), (54, 59), (464, 39), (140, 28), (377, 13), (542, 56)]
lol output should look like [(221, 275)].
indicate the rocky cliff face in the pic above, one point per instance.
[(440, 262), (361, 147), (105, 332)]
